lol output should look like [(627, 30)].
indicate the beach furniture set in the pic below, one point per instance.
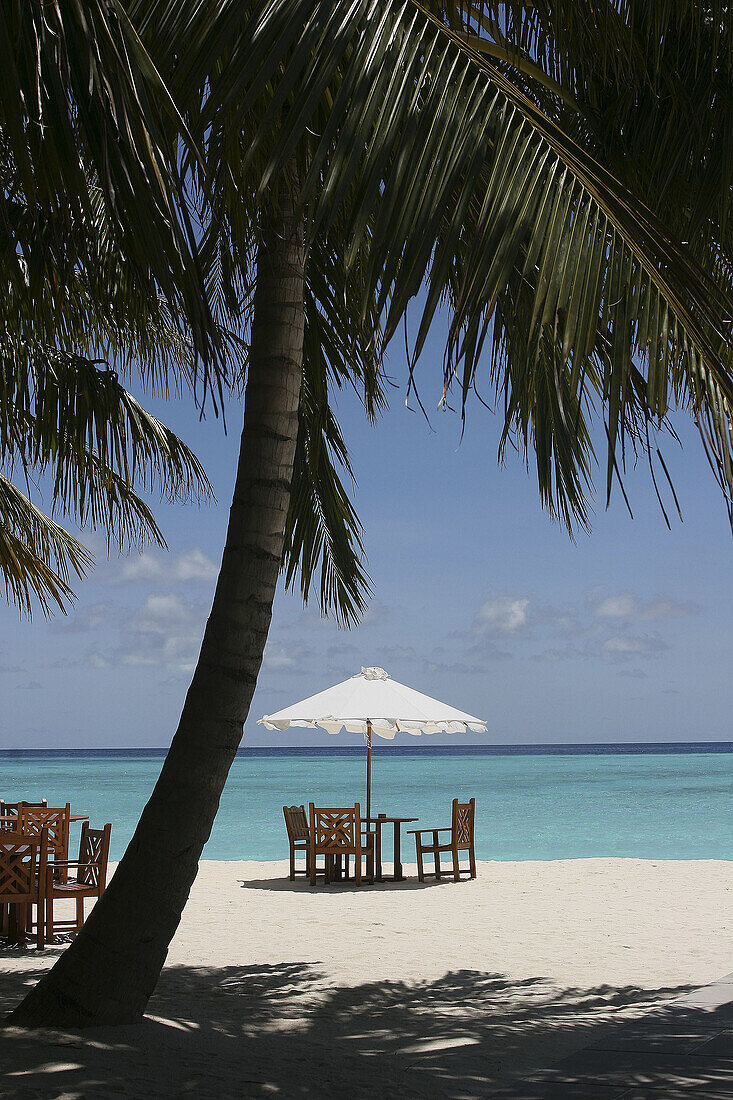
[(35, 869), (329, 838), (372, 704)]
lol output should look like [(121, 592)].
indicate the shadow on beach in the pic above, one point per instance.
[(285, 1030), (302, 885)]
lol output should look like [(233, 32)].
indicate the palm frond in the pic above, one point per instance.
[(322, 533), (86, 119), (37, 557), (58, 410)]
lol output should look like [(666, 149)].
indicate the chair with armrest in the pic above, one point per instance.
[(337, 834), (23, 875), (90, 880), (460, 840)]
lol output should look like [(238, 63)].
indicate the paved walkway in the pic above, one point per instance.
[(684, 1049)]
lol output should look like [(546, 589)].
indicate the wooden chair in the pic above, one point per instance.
[(296, 824), (23, 876), (10, 809), (461, 840), (90, 881), (32, 819), (337, 834)]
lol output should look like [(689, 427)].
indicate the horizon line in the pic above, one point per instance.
[(386, 747)]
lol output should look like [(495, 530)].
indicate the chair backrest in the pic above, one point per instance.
[(32, 819), (336, 829), (22, 866), (462, 822), (93, 855), (10, 809), (296, 822)]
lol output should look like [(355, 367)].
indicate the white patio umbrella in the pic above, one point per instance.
[(372, 702)]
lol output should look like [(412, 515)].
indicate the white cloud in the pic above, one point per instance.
[(189, 565), (164, 631), (144, 567), (294, 657), (193, 565), (624, 605), (624, 647), (90, 617), (502, 616), (627, 606), (663, 608), (278, 657)]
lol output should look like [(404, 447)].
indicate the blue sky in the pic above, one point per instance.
[(479, 599)]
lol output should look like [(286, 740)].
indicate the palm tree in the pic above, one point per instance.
[(344, 157)]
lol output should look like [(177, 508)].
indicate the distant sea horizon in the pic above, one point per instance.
[(559, 748)]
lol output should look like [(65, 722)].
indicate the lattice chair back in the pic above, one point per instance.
[(10, 809), (22, 866), (335, 829), (462, 824), (93, 856), (32, 819), (296, 822)]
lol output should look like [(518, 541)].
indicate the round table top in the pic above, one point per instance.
[(390, 818)]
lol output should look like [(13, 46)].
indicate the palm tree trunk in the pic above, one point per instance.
[(108, 974)]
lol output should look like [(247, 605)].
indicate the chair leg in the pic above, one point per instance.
[(292, 864), (48, 918), (14, 921), (313, 861), (40, 927), (472, 861), (420, 868), (79, 914), (456, 866), (436, 856)]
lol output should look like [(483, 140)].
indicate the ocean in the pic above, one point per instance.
[(532, 802)]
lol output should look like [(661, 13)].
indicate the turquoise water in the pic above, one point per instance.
[(531, 804)]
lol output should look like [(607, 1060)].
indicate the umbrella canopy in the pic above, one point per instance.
[(372, 702), (373, 699)]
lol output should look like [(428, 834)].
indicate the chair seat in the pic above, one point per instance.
[(73, 888), (445, 847)]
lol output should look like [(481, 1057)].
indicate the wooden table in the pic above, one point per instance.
[(396, 823)]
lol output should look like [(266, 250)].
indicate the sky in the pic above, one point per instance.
[(479, 599)]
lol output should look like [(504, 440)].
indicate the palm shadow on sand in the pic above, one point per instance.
[(285, 1030)]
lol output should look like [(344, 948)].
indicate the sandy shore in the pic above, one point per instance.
[(446, 990)]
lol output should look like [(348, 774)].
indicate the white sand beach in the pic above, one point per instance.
[(442, 990)]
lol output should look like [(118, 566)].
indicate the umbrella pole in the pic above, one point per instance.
[(369, 770)]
